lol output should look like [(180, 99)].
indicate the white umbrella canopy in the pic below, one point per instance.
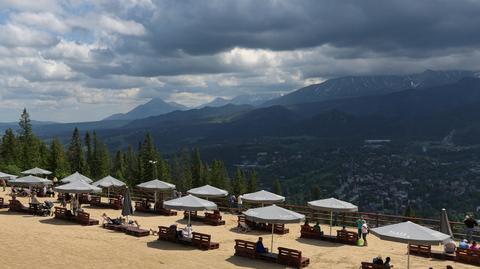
[(76, 177), (36, 171), (30, 181), (332, 204), (78, 186), (208, 191), (410, 233), (108, 182), (189, 203), (273, 215), (156, 186), (7, 176), (263, 197)]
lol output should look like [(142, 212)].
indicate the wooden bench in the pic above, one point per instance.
[(292, 257), (468, 256), (199, 240), (307, 231), (62, 213), (244, 248), (420, 250), (2, 203), (84, 219), (214, 218), (369, 265), (347, 237), (113, 203)]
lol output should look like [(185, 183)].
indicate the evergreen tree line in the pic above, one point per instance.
[(90, 156)]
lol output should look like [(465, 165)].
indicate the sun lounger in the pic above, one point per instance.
[(347, 237), (135, 231), (16, 206), (141, 207), (369, 265), (2, 203), (199, 240), (307, 231), (82, 218), (343, 237), (62, 213), (246, 249), (468, 256), (292, 257)]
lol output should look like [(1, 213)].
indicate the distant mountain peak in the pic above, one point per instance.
[(154, 107)]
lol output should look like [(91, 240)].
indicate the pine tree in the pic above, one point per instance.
[(75, 153), (187, 171), (100, 159), (252, 182), (43, 153), (88, 171), (197, 166), (150, 158), (29, 144), (57, 162), (119, 166), (9, 152), (238, 184), (277, 187), (177, 176), (131, 166), (409, 212)]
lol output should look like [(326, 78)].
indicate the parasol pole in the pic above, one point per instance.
[(331, 220), (408, 255), (271, 245)]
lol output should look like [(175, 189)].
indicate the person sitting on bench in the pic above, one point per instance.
[(317, 227), (187, 231), (387, 262), (449, 247), (378, 260), (259, 248), (306, 223)]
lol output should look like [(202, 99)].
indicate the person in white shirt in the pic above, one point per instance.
[(187, 231), (449, 247), (239, 202), (364, 232)]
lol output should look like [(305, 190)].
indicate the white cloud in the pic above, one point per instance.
[(14, 35), (42, 20), (124, 27)]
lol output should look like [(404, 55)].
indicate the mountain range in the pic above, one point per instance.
[(244, 99), (154, 107)]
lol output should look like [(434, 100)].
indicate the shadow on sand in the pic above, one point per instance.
[(163, 245), (251, 232), (53, 221), (318, 243), (251, 263)]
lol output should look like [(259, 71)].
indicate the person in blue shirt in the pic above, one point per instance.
[(463, 244), (259, 248)]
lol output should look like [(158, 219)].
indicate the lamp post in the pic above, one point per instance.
[(153, 163)]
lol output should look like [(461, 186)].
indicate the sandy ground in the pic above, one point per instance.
[(43, 242)]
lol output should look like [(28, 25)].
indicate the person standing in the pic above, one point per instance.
[(470, 224), (359, 226), (364, 232), (239, 202), (3, 183)]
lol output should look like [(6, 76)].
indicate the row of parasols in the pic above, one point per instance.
[(405, 232)]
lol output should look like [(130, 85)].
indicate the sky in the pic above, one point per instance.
[(82, 60)]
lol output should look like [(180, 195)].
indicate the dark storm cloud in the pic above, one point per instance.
[(402, 27)]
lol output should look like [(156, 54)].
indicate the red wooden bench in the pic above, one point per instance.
[(420, 250), (347, 237), (214, 218), (369, 265), (193, 216), (203, 241), (62, 213), (244, 248), (84, 219), (113, 203), (292, 257), (2, 203), (307, 231), (468, 256)]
